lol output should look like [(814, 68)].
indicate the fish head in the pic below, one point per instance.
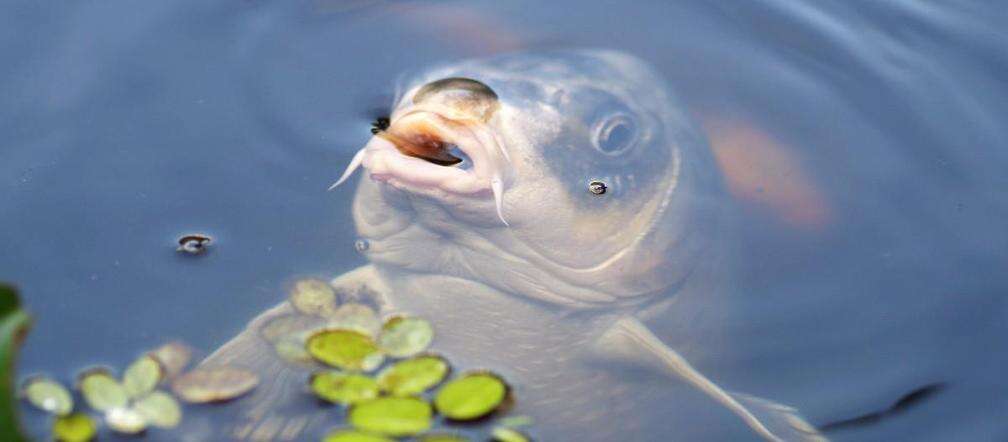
[(571, 177)]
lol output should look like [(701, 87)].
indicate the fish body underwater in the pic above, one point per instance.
[(544, 211)]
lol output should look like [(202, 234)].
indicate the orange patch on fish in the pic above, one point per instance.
[(761, 170)]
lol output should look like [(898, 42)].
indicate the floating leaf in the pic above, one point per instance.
[(142, 376), (504, 434), (515, 421), (173, 356), (48, 395), (404, 337), (413, 376), (293, 352), (76, 427), (346, 349), (160, 409), (443, 437), (313, 297), (214, 384), (354, 316), (394, 416), (343, 388), (354, 436), (125, 420), (102, 391), (291, 327), (471, 396)]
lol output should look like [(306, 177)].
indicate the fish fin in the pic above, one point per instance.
[(629, 340), (279, 408)]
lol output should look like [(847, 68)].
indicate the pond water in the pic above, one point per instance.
[(863, 145)]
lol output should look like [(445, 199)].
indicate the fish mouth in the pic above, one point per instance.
[(414, 154)]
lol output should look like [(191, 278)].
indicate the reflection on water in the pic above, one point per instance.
[(861, 145)]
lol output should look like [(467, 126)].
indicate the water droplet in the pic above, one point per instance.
[(362, 245), (597, 187)]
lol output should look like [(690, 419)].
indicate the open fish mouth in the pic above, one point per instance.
[(414, 153)]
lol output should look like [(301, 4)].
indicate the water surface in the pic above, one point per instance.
[(126, 125)]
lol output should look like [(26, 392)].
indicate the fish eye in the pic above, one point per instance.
[(615, 135)]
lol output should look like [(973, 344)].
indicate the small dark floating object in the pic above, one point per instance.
[(194, 244), (597, 187)]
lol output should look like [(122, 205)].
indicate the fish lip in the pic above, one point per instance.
[(385, 162)]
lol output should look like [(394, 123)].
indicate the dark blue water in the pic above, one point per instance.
[(124, 125)]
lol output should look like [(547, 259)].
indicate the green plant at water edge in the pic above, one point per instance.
[(14, 324)]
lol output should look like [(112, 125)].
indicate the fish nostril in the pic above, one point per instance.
[(461, 94)]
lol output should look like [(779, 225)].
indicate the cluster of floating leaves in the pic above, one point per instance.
[(403, 398), (132, 403)]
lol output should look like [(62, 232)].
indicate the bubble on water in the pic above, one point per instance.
[(362, 245), (194, 243), (597, 187)]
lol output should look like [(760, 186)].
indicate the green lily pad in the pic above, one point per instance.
[(313, 297), (214, 384), (101, 390), (413, 376), (472, 396), (345, 435), (443, 437), (343, 388), (125, 420), (76, 427), (346, 349), (173, 356), (393, 416), (404, 337), (505, 434), (47, 395), (354, 316), (14, 324), (160, 409), (142, 376)]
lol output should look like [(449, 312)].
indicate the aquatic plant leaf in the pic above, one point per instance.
[(343, 388), (393, 416), (505, 434), (125, 420), (313, 297), (47, 395), (293, 352), (160, 409), (346, 349), (101, 390), (142, 376), (471, 396), (214, 384), (443, 437), (357, 317), (515, 421), (294, 327), (346, 435), (76, 427), (14, 324), (405, 337), (413, 376), (173, 356)]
